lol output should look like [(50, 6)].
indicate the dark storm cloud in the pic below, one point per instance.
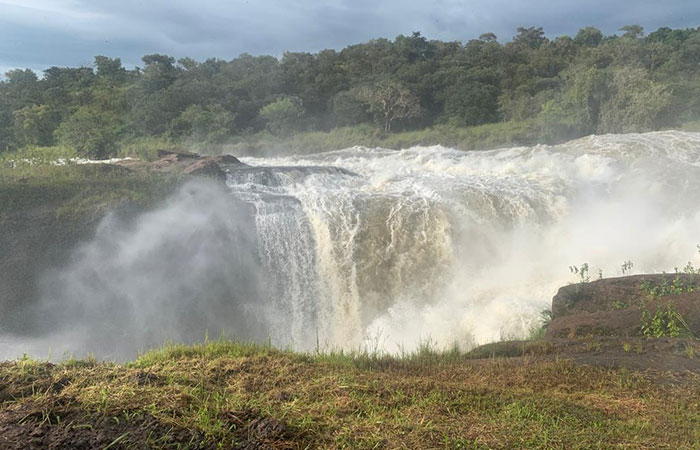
[(42, 33)]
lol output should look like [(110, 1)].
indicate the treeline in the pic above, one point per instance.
[(571, 87)]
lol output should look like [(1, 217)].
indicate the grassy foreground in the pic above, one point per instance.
[(232, 395)]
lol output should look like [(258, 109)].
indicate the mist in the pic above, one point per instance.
[(372, 248), (178, 273)]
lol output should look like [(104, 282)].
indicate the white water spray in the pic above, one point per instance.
[(468, 247), (382, 247)]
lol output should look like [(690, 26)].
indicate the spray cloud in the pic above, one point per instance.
[(375, 246)]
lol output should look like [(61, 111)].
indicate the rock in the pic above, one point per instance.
[(176, 161), (177, 154), (205, 167), (603, 323), (226, 159), (613, 306), (610, 293)]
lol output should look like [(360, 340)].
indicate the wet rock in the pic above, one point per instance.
[(177, 161), (226, 159), (205, 168)]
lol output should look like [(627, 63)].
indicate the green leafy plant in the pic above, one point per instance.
[(678, 285), (538, 330), (665, 322)]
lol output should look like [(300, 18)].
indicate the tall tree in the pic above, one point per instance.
[(588, 37), (391, 101)]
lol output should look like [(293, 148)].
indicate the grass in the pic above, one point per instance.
[(31, 178), (480, 137), (487, 136), (691, 126), (222, 394)]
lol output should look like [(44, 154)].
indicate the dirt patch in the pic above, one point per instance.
[(663, 355), (639, 354), (255, 432), (15, 384), (146, 378), (59, 423)]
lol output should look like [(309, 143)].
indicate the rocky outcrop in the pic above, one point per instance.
[(614, 306), (176, 161)]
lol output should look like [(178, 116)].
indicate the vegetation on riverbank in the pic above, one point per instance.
[(79, 189), (393, 93), (489, 136), (250, 396), (37, 177)]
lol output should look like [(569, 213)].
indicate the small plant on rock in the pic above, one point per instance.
[(627, 267), (581, 272)]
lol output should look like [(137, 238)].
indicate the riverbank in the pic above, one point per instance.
[(233, 395)]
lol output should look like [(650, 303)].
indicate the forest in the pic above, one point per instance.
[(553, 88)]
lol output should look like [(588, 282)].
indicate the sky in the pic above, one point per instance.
[(38, 34)]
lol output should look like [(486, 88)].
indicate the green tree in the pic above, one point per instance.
[(632, 31), (92, 131), (32, 126), (390, 101), (576, 110), (21, 89), (588, 37), (637, 102), (110, 68), (283, 115), (414, 48), (471, 103), (159, 72), (211, 124), (531, 37), (488, 37), (349, 108)]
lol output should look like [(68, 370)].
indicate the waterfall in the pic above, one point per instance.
[(377, 247)]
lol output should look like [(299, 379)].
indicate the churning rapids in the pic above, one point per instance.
[(374, 247)]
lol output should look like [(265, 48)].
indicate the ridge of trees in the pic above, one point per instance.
[(573, 86)]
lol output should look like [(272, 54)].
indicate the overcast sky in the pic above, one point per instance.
[(42, 33)]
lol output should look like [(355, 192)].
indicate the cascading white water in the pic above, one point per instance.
[(468, 247), (381, 248)]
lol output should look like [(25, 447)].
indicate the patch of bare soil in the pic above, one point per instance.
[(258, 433), (662, 358), (58, 422), (655, 355)]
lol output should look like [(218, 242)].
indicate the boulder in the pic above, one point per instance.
[(177, 153), (205, 167), (614, 306), (177, 161), (612, 293), (226, 159)]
